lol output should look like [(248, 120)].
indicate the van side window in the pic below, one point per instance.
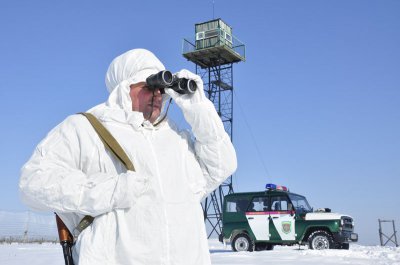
[(279, 203), (236, 205), (258, 204)]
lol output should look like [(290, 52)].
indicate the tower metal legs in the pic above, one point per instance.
[(218, 86)]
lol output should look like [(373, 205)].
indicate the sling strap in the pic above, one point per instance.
[(111, 144), (109, 141)]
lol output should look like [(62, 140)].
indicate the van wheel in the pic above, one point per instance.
[(242, 242), (320, 240)]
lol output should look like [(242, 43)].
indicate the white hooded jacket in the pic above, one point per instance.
[(152, 215)]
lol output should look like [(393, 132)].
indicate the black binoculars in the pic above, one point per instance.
[(165, 79)]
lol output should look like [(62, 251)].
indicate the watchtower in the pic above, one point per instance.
[(214, 50)]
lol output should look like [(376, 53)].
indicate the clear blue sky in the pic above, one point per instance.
[(316, 108)]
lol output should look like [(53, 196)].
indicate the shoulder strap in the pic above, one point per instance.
[(109, 141)]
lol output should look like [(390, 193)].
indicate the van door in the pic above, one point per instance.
[(258, 217), (283, 218)]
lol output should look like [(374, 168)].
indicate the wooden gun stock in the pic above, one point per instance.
[(66, 240)]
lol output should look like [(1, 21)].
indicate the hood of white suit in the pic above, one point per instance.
[(129, 68)]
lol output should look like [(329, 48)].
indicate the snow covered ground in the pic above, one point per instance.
[(301, 256), (41, 254)]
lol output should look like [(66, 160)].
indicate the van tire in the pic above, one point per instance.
[(319, 240), (242, 242)]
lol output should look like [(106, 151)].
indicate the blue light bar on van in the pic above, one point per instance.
[(271, 186)]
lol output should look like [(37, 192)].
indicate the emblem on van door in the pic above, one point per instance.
[(286, 227)]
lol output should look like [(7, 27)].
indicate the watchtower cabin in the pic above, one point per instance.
[(214, 45)]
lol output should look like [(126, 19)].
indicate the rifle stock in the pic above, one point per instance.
[(66, 240)]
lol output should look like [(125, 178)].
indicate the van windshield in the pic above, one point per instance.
[(300, 203)]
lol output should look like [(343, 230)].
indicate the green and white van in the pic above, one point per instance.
[(260, 220)]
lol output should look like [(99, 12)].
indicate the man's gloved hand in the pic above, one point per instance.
[(185, 100)]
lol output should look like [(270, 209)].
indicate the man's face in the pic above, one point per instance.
[(146, 101)]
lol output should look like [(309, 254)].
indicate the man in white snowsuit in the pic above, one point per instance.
[(148, 216)]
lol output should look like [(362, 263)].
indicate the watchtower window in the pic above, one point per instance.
[(211, 33), (228, 37), (200, 35)]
